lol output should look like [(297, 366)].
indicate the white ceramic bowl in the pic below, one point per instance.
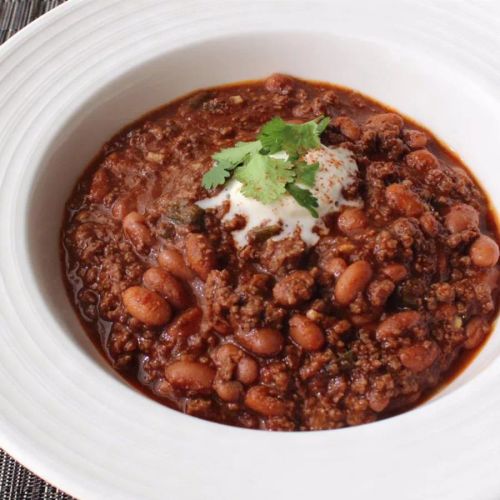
[(75, 77)]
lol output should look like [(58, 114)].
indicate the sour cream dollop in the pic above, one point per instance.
[(337, 170)]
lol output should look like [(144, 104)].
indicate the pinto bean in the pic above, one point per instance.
[(415, 139), (422, 160), (352, 221), (293, 289), (352, 281), (348, 127), (378, 402), (190, 376), (419, 357), (199, 254), (461, 217), (475, 330), (396, 272), (396, 324), (171, 260), (260, 399), (230, 391), (247, 371), (232, 360), (226, 357), (384, 120), (186, 324), (400, 198), (429, 224), (161, 281), (222, 326), (138, 232), (146, 306), (262, 341), (227, 353), (484, 252), (306, 333)]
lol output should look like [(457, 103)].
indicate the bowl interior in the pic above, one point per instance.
[(460, 114)]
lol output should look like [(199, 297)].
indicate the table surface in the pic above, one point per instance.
[(17, 482)]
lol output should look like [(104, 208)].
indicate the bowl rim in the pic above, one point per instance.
[(47, 466)]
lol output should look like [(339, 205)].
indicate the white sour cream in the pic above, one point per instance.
[(337, 170)]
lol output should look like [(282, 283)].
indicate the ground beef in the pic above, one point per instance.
[(278, 335)]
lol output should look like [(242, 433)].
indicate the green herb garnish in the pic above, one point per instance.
[(227, 160), (238, 153), (306, 173), (264, 177), (294, 138), (304, 198)]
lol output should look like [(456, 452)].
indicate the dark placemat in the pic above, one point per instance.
[(16, 482), (15, 14)]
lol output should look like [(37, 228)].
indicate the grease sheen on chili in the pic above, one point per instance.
[(385, 308)]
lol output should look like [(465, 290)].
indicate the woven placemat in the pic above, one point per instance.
[(15, 14), (16, 482)]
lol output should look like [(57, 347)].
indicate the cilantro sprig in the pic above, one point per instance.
[(265, 177), (294, 138), (227, 160)]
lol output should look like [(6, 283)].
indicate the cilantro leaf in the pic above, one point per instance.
[(322, 124), (304, 198), (228, 159), (264, 178), (217, 175), (294, 138), (272, 134), (238, 153), (306, 173)]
